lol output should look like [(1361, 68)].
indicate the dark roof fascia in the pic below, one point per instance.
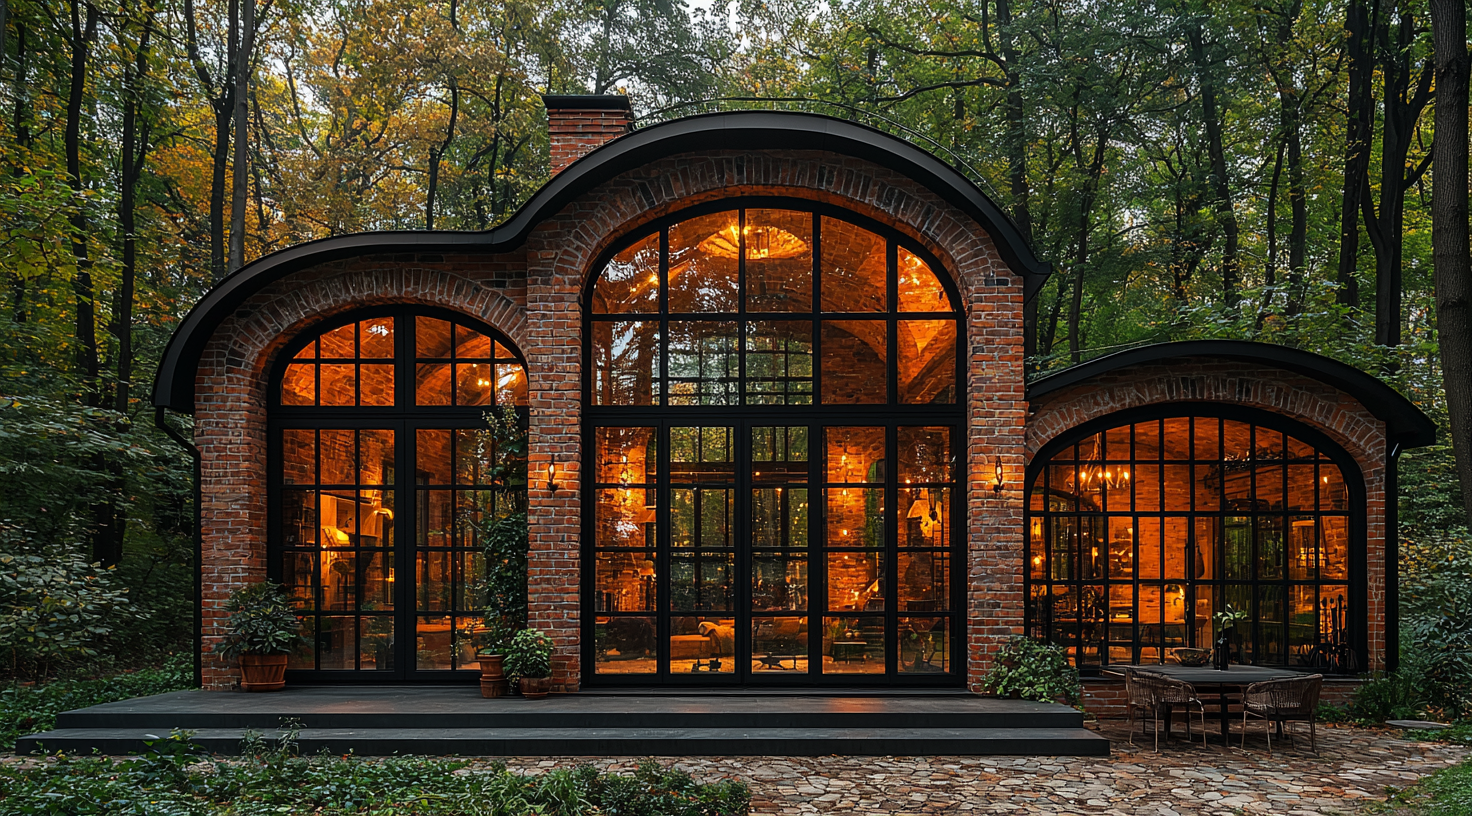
[(736, 130), (1406, 425), (587, 102)]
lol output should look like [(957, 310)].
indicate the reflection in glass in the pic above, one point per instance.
[(701, 644), (779, 261), (779, 362), (919, 289), (630, 281), (854, 268), (703, 364), (924, 645), (854, 365), (626, 363), (703, 263), (625, 645), (779, 645)]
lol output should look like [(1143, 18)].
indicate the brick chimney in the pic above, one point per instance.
[(579, 124)]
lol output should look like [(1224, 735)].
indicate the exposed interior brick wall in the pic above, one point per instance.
[(577, 130), (1322, 407)]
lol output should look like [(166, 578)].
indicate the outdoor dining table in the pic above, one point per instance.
[(1235, 678)]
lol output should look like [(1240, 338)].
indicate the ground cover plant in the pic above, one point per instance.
[(174, 778), (28, 709), (1445, 793)]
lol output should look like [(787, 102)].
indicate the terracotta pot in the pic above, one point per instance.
[(493, 676), (262, 672), (534, 688)]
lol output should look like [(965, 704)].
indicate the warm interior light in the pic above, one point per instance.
[(762, 242)]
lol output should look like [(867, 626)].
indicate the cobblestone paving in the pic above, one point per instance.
[(1354, 767)]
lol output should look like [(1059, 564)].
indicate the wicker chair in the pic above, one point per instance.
[(1294, 699), (1154, 695)]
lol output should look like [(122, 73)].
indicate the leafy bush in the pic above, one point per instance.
[(53, 604), (173, 777), (31, 708), (1033, 671), (261, 621), (1394, 696), (1447, 792), (529, 655), (1436, 618)]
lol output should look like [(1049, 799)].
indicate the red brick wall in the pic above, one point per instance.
[(575, 132), (1332, 412)]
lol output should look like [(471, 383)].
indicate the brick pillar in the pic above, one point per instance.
[(578, 125)]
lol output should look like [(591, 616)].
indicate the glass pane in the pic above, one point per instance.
[(376, 385), (1334, 549), (854, 362), (925, 645), (779, 581), (1303, 627), (299, 518), (926, 520), (308, 352), (702, 453), (855, 455), (431, 337), (1303, 555), (701, 517), (855, 517), (339, 384), (298, 577), (1177, 532), (1147, 536), (375, 457), (336, 452), (701, 581), (376, 580), (298, 457), (925, 455), (473, 384), (338, 343), (624, 582), (624, 645), (700, 644), (779, 453), (1269, 547), (376, 338), (434, 641), (1332, 493), (1121, 547), (337, 643), (304, 653), (626, 455), (1237, 546), (299, 384), (919, 289), (779, 517), (779, 645), (432, 384), (626, 363), (511, 386), (630, 281), (779, 261), (1206, 438), (703, 262), (1205, 549), (927, 361), (853, 645), (924, 580), (435, 517), (1269, 481), (1176, 441), (472, 344), (856, 581), (779, 362), (625, 517), (703, 364), (1270, 620), (432, 456), (855, 272), (1177, 487), (434, 587)]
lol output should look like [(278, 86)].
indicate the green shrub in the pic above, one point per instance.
[(262, 621), (1033, 671), (529, 655), (29, 709), (1436, 618)]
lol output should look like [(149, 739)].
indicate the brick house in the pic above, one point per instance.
[(779, 434)]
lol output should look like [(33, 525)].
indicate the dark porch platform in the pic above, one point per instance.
[(441, 720)]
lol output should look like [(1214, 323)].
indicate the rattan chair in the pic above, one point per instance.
[(1276, 702), (1154, 695)]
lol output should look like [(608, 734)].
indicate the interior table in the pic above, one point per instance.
[(1235, 678)]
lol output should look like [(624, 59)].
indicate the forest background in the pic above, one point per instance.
[(1256, 169)]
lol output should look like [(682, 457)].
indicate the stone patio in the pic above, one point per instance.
[(1353, 769)]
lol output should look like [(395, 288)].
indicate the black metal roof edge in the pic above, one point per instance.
[(1406, 425), (587, 102), (729, 130)]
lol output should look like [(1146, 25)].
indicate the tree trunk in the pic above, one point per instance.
[(83, 32), (1226, 213), (438, 153), (1016, 117), (240, 185), (1359, 24), (1449, 239), (1291, 114)]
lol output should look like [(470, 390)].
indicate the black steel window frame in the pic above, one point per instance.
[(404, 418), (1356, 621), (742, 418)]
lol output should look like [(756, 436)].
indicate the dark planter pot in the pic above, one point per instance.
[(534, 688), (493, 675), (262, 672)]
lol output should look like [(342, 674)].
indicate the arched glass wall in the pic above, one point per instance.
[(379, 489), (773, 427), (1140, 533)]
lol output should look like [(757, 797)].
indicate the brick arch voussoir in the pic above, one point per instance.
[(1344, 421), (592, 226)]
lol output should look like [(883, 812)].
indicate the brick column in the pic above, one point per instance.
[(577, 125)]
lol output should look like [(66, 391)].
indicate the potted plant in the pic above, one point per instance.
[(1226, 622), (529, 663), (1027, 670), (261, 632)]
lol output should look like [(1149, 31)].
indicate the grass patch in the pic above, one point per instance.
[(174, 778), (29, 709), (1447, 792)]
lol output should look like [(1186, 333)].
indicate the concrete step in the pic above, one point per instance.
[(464, 708), (641, 741)]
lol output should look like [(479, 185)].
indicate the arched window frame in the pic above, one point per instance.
[(1351, 473)]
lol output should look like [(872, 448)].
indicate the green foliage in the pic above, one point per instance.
[(1033, 671), (172, 777), (1436, 618), (529, 655), (28, 709), (261, 621), (53, 604), (504, 536), (1389, 696), (1229, 617), (1447, 792)]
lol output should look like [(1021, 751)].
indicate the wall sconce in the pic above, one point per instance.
[(997, 485), (552, 477)]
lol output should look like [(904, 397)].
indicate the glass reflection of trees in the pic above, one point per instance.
[(1140, 533)]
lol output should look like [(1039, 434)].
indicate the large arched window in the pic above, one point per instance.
[(379, 488), (1140, 531), (757, 368)]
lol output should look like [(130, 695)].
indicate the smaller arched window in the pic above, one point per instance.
[(1139, 534), (362, 364)]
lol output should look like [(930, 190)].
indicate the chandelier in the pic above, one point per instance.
[(762, 243)]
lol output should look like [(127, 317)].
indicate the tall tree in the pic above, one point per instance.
[(243, 58), (1451, 253), (1201, 48), (1360, 22)]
